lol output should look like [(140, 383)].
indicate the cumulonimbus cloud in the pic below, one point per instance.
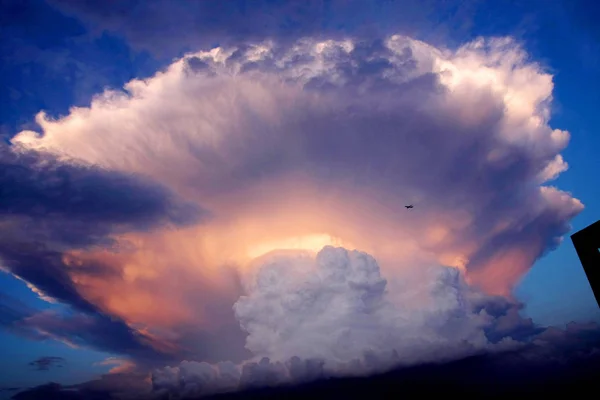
[(314, 143), (364, 127)]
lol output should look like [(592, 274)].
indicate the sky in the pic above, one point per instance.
[(188, 187)]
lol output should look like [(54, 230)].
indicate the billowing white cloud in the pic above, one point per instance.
[(335, 307)]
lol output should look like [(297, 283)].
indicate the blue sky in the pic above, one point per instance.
[(53, 61), (17, 352), (556, 289)]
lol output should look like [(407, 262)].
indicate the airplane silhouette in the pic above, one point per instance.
[(409, 206)]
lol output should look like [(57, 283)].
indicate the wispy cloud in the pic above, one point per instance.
[(120, 365), (48, 362)]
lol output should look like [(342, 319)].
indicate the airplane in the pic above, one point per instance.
[(409, 206)]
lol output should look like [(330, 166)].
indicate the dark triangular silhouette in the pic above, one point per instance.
[(587, 245)]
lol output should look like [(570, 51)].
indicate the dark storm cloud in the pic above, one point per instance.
[(507, 322), (38, 185), (47, 362), (47, 207), (44, 268), (72, 204)]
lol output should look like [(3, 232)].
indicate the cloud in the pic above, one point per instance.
[(334, 311), (45, 363), (530, 370), (90, 328), (335, 307), (120, 365), (40, 186), (122, 386), (184, 25), (52, 205), (301, 145), (349, 131), (566, 363)]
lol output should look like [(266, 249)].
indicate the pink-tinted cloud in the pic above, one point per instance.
[(120, 365)]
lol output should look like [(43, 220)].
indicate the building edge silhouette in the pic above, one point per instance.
[(587, 245)]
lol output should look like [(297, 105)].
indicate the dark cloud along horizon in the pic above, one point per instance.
[(567, 361)]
